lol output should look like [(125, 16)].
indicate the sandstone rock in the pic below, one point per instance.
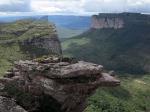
[(9, 105), (112, 73), (49, 44), (107, 22), (67, 84)]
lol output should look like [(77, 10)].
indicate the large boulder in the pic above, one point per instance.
[(55, 84)]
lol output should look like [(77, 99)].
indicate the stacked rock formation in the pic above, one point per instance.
[(54, 84)]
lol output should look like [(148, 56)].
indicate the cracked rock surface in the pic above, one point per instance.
[(54, 84), (9, 105)]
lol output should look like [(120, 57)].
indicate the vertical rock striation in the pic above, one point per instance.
[(100, 22)]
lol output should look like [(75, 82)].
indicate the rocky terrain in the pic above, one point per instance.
[(25, 39), (52, 84), (9, 105)]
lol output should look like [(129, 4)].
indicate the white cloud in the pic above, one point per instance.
[(74, 6), (51, 6), (89, 6), (14, 5)]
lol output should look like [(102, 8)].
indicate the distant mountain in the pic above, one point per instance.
[(6, 19), (69, 26), (118, 41), (72, 22)]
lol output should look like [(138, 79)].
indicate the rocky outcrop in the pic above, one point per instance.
[(54, 84), (107, 22), (42, 41), (47, 45), (27, 39)]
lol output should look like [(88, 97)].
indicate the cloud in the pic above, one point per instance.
[(14, 5), (57, 6), (116, 5), (78, 7), (90, 6)]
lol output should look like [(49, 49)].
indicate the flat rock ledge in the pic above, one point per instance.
[(52, 84)]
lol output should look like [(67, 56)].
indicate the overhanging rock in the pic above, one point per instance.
[(59, 85)]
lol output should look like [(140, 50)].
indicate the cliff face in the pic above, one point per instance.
[(25, 39), (54, 84), (107, 22), (51, 45), (29, 32), (43, 37)]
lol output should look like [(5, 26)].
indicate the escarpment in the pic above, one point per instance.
[(54, 84), (101, 21), (27, 39), (42, 38), (41, 46), (31, 33)]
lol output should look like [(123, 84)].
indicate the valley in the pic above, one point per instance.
[(120, 42), (124, 49)]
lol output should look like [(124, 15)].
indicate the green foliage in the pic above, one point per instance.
[(125, 49), (38, 29), (8, 54), (24, 29), (132, 96), (18, 26), (67, 33), (74, 42), (11, 34)]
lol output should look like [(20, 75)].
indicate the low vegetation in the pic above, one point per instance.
[(132, 96), (11, 34), (125, 50)]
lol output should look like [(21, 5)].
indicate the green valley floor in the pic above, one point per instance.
[(132, 96)]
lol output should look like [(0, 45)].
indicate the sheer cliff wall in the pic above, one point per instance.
[(107, 22)]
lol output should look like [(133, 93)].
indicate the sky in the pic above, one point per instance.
[(72, 7)]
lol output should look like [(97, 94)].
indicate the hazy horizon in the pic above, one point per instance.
[(59, 14)]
